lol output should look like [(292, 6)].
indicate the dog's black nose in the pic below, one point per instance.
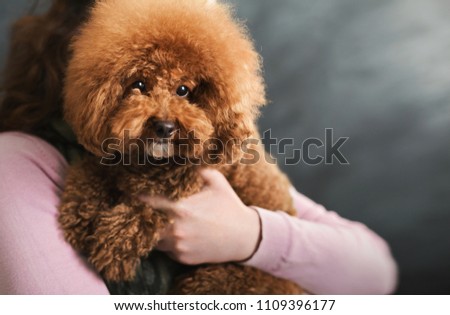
[(164, 129)]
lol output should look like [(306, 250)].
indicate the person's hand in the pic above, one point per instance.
[(212, 226)]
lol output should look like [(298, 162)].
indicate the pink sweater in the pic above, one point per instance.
[(323, 252)]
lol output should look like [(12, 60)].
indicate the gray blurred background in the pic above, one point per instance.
[(378, 72)]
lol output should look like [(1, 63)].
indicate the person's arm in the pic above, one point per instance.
[(34, 256), (323, 252)]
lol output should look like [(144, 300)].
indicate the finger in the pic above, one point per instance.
[(212, 177), (165, 242), (164, 245), (166, 232), (160, 203)]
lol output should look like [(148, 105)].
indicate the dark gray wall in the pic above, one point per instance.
[(378, 72)]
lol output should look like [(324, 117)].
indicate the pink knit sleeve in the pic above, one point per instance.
[(323, 252), (34, 257)]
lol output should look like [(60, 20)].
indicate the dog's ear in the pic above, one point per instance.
[(236, 86), (234, 98), (236, 117), (88, 105)]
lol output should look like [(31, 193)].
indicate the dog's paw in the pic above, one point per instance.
[(122, 236)]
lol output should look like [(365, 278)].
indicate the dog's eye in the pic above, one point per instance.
[(139, 85), (183, 91)]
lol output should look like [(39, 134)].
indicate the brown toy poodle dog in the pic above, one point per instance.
[(156, 90)]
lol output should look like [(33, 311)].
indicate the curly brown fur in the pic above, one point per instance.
[(231, 279), (163, 45)]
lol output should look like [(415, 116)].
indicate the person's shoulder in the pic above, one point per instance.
[(19, 146), (21, 143)]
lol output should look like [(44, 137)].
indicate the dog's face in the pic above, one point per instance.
[(177, 74)]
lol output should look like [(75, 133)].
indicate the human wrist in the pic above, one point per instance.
[(251, 234)]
